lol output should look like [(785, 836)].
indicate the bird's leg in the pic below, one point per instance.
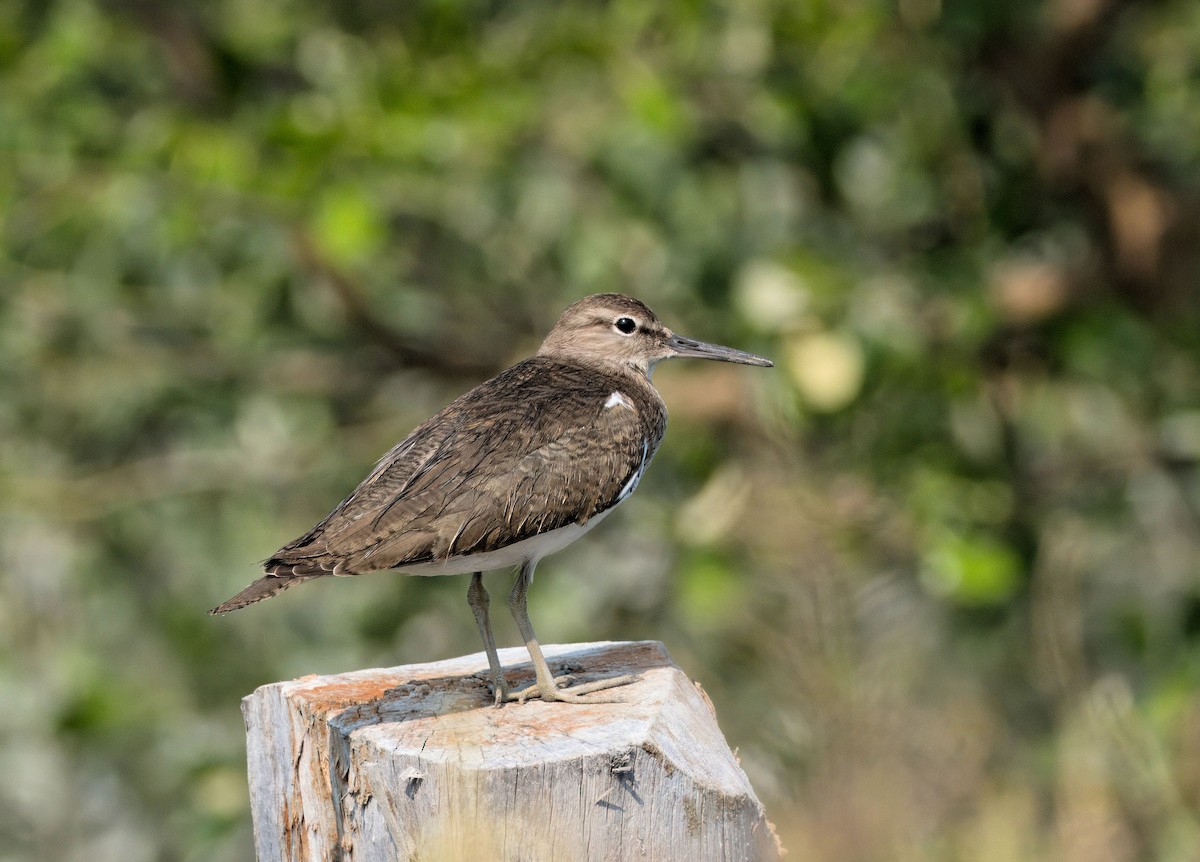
[(477, 598), (546, 686)]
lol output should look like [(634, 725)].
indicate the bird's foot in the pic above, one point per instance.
[(575, 694), (532, 690), (500, 689)]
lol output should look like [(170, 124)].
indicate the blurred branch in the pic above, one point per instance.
[(1147, 230), (449, 359), (188, 51), (201, 68)]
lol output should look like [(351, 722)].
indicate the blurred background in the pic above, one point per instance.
[(939, 570)]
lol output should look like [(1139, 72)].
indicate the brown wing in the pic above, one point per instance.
[(532, 450)]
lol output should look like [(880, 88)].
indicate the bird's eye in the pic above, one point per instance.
[(625, 325)]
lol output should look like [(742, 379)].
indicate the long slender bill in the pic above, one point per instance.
[(703, 350)]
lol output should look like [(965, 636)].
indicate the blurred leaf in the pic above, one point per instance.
[(346, 226), (971, 570)]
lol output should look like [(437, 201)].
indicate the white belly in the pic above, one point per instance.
[(516, 554)]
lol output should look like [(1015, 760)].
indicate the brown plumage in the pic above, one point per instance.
[(513, 469)]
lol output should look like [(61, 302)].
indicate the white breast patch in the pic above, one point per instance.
[(617, 399)]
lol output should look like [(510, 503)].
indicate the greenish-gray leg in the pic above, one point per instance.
[(477, 598), (547, 686)]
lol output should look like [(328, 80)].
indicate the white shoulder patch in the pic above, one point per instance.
[(617, 399)]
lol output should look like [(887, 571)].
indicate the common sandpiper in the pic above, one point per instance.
[(515, 469)]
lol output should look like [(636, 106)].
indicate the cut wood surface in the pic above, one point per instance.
[(415, 763)]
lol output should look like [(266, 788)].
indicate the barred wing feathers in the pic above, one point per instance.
[(536, 448)]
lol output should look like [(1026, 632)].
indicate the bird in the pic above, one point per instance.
[(513, 470)]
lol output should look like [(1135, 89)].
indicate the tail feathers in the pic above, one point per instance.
[(263, 588)]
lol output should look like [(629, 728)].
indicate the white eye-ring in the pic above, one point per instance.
[(625, 325)]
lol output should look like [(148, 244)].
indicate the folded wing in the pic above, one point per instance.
[(535, 449)]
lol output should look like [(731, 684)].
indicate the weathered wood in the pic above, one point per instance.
[(415, 763)]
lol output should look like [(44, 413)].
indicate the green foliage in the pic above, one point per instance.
[(938, 570)]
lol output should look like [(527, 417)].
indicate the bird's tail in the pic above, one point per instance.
[(263, 588)]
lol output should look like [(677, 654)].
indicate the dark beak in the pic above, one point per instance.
[(691, 347)]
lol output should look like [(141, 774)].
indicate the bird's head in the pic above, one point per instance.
[(613, 329)]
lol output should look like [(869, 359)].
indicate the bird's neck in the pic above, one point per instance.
[(638, 372)]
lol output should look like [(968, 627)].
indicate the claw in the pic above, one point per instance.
[(500, 689)]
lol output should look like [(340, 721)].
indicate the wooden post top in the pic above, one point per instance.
[(385, 757)]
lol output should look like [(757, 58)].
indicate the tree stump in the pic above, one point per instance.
[(415, 763)]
